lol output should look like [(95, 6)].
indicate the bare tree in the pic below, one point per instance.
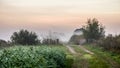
[(52, 38)]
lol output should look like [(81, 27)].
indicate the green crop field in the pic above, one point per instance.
[(58, 56), (34, 57)]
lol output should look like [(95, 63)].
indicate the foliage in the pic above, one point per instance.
[(32, 57), (51, 41), (112, 58), (111, 43), (93, 30), (52, 38), (3, 43), (24, 37), (69, 61), (75, 39), (86, 60)]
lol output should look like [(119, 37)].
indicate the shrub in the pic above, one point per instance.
[(24, 37), (69, 61), (32, 57), (111, 43), (3, 43)]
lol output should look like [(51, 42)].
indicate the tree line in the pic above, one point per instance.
[(25, 37), (94, 33)]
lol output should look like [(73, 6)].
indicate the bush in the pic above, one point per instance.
[(25, 37), (69, 61), (3, 43), (111, 43), (32, 57)]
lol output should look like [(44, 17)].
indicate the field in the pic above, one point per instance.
[(95, 57), (59, 56)]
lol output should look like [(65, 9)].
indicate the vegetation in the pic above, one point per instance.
[(24, 37), (111, 43), (110, 57), (93, 31), (69, 61), (34, 57), (51, 41), (86, 60), (105, 54), (75, 39), (53, 38), (3, 43)]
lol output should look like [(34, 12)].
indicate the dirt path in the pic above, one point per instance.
[(71, 49), (107, 59), (74, 52), (84, 63), (86, 50), (78, 63)]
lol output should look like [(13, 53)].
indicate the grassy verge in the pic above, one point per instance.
[(86, 60), (112, 58)]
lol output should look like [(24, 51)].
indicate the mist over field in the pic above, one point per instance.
[(62, 16), (59, 33)]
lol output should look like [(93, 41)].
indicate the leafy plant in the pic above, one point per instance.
[(32, 57)]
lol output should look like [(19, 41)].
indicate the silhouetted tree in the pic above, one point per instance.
[(3, 42), (93, 30), (24, 37)]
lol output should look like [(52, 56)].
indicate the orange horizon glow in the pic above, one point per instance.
[(57, 15)]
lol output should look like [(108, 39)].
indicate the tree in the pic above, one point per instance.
[(75, 39), (93, 31), (52, 38), (24, 37), (3, 42)]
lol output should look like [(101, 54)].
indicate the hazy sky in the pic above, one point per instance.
[(61, 16)]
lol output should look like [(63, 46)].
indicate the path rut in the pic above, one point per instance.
[(71, 49), (86, 50)]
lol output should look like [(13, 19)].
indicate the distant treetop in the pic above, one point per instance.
[(78, 31)]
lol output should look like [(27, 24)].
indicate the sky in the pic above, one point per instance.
[(62, 16)]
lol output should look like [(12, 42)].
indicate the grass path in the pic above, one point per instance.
[(86, 50), (71, 49), (85, 57), (103, 55), (78, 62)]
